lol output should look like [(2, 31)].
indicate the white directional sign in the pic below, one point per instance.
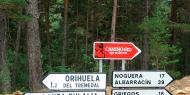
[(141, 79), (67, 93), (75, 81), (141, 92)]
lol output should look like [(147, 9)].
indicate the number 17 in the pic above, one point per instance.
[(162, 75)]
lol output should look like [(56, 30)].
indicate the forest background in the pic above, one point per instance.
[(42, 36)]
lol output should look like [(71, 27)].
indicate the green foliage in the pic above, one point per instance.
[(55, 21), (162, 9), (10, 58), (18, 16), (13, 9), (182, 26), (88, 63), (80, 31), (5, 74), (21, 80), (12, 5), (55, 10), (130, 27), (5, 78), (11, 2), (175, 74), (21, 77), (60, 69), (157, 28)]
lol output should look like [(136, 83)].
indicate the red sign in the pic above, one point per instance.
[(115, 50)]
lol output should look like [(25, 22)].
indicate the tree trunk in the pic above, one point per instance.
[(5, 80), (173, 30), (173, 19), (126, 11), (186, 39), (34, 46), (92, 27), (87, 29), (76, 36), (64, 53), (86, 34), (186, 53), (111, 68), (47, 32), (113, 21), (16, 55), (145, 41)]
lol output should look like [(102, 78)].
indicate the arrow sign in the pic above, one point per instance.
[(67, 93), (141, 92), (141, 79), (115, 50), (75, 81)]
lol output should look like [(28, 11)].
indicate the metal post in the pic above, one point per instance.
[(123, 65), (100, 65)]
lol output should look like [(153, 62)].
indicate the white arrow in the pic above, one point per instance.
[(141, 92), (141, 79), (67, 93), (75, 81)]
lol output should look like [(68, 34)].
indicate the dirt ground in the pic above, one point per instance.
[(180, 87)]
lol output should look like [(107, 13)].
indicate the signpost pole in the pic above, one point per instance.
[(123, 65), (100, 65)]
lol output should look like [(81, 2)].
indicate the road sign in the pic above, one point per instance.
[(141, 92), (141, 79), (115, 50), (68, 93), (75, 81)]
